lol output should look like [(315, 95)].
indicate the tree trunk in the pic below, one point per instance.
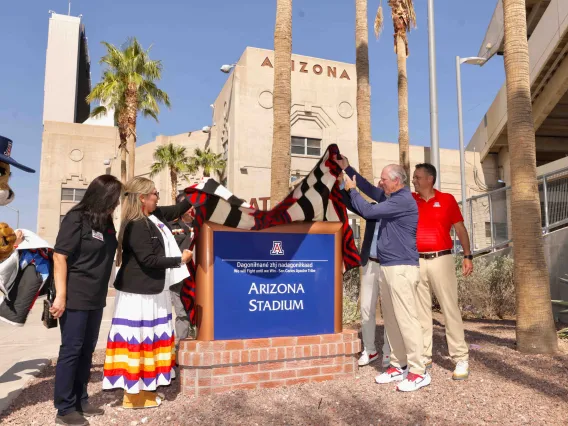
[(174, 179), (131, 111), (403, 137), (123, 165), (536, 332), (364, 138), (122, 132), (280, 162)]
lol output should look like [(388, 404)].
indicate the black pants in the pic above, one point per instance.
[(79, 335)]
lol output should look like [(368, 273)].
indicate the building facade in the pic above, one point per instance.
[(67, 71), (547, 31), (323, 112)]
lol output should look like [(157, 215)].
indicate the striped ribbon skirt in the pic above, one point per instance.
[(140, 354)]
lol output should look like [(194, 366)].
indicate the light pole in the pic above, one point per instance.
[(227, 68), (434, 146), (108, 164), (472, 61), (17, 215)]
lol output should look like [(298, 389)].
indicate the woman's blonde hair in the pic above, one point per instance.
[(132, 207)]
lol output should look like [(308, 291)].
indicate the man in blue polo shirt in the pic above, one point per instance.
[(369, 294), (398, 257)]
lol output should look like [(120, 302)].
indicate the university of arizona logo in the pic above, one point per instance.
[(8, 149), (277, 248)]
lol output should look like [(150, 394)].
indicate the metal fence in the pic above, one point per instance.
[(488, 215)]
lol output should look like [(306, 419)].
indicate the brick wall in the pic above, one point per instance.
[(223, 365)]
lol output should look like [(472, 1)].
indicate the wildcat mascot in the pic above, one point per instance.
[(25, 259)]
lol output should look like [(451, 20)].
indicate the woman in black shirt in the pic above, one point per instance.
[(84, 253)]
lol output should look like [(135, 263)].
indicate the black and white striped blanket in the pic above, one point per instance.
[(316, 198)]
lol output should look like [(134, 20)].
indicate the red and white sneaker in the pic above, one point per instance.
[(393, 374), (367, 358), (414, 382)]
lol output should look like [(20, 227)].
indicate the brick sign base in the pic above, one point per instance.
[(224, 365)]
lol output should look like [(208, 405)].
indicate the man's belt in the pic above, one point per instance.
[(372, 259), (434, 255)]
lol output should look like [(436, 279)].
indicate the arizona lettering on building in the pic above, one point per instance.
[(317, 69)]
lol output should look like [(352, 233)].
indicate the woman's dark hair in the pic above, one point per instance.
[(100, 200)]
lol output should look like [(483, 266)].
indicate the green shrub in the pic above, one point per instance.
[(490, 291), (487, 293), (351, 285)]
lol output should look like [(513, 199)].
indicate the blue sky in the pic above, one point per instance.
[(194, 38)]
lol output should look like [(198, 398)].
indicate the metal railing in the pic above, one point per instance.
[(489, 218)]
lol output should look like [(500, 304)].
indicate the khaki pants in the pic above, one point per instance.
[(369, 295), (438, 275), (400, 312)]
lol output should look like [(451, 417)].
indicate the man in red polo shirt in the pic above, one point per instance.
[(437, 213)]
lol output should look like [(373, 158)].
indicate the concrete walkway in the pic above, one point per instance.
[(24, 351)]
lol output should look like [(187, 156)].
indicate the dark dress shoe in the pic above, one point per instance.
[(72, 419), (89, 410)]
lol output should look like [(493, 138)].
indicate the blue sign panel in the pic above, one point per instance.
[(273, 284)]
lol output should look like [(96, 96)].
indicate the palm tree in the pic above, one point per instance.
[(403, 19), (209, 162), (536, 332), (364, 138), (174, 158), (280, 162), (128, 86)]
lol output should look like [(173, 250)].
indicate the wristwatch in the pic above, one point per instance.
[(468, 256)]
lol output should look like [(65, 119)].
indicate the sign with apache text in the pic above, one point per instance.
[(273, 284)]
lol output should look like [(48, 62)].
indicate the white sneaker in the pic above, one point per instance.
[(386, 361), (414, 382), (367, 358), (462, 371), (393, 374)]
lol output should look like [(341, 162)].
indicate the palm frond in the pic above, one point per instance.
[(189, 167), (149, 113), (152, 70), (403, 19), (403, 14), (174, 158), (156, 168), (99, 111), (208, 161), (129, 67), (379, 19), (409, 7)]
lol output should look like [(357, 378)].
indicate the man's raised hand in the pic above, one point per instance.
[(349, 183), (343, 163)]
